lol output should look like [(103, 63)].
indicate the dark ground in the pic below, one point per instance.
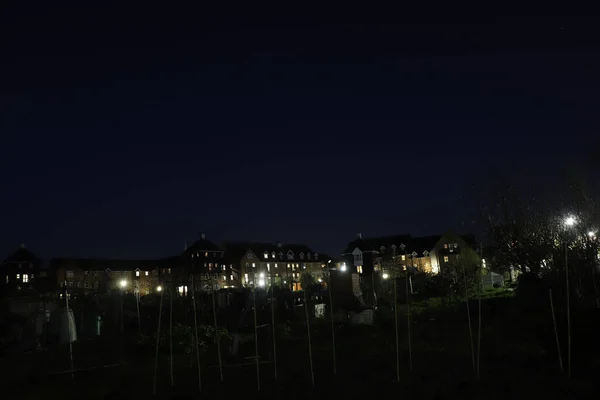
[(518, 360)]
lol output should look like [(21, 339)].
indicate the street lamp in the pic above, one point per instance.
[(123, 283), (570, 221), (385, 276), (159, 288), (343, 267)]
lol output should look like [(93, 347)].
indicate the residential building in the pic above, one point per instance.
[(105, 275), (261, 264), (20, 270), (208, 265), (428, 253)]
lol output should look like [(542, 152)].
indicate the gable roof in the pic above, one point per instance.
[(22, 256), (234, 251), (202, 245)]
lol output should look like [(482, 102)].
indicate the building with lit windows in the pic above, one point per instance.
[(21, 270), (428, 253), (261, 264)]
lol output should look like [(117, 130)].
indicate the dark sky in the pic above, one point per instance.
[(125, 132)]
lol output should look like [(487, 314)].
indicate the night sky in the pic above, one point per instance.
[(125, 133)]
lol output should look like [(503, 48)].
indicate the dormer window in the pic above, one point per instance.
[(206, 254), (302, 256), (280, 255), (266, 255), (308, 255), (250, 255), (445, 245), (273, 255), (316, 256), (382, 249), (290, 255)]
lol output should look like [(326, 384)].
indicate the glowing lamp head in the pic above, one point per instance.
[(592, 234), (159, 288), (123, 283), (385, 276), (570, 221), (343, 267)]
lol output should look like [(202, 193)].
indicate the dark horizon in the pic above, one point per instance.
[(127, 133)]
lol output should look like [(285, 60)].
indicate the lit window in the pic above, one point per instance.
[(268, 267), (275, 265), (70, 274), (445, 245), (146, 273), (25, 278), (456, 245), (224, 267), (445, 258), (253, 265), (273, 255), (246, 277), (6, 278), (359, 269), (206, 254), (169, 270), (231, 278), (403, 257), (266, 255), (225, 277), (137, 273)]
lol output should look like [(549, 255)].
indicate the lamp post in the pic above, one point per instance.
[(569, 223), (332, 322), (122, 285)]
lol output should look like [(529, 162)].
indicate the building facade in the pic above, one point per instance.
[(399, 252), (21, 270)]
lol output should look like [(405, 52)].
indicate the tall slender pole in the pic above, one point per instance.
[(122, 330), (273, 326), (479, 322), (69, 330), (568, 313), (310, 357), (171, 334), (157, 341), (469, 321), (255, 338), (196, 333), (217, 338), (137, 303), (408, 323), (332, 324), (560, 363), (396, 315)]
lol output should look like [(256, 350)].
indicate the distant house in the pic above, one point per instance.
[(90, 276), (21, 270), (260, 264), (429, 253), (206, 262)]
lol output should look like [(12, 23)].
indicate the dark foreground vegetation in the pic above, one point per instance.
[(519, 357)]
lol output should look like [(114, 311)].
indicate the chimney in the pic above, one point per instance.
[(359, 235), (202, 235), (22, 245), (279, 244)]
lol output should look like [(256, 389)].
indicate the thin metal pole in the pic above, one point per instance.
[(560, 363), (255, 338), (332, 324), (310, 357), (410, 364), (396, 316), (157, 341), (171, 334), (568, 313), (196, 333), (479, 323), (273, 325), (217, 338), (69, 330), (469, 320), (137, 303)]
